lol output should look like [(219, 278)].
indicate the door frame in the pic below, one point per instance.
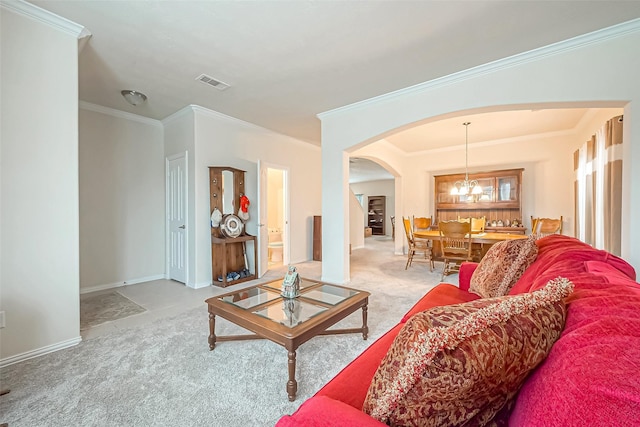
[(264, 242), (167, 230)]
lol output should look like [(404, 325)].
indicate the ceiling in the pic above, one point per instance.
[(287, 61), (364, 170)]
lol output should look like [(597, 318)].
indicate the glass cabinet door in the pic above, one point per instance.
[(443, 193), (507, 189), (487, 190)]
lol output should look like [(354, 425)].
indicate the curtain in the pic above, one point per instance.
[(598, 188)]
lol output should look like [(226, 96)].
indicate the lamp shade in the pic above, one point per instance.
[(133, 97)]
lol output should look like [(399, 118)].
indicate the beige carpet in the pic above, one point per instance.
[(163, 373), (96, 309)]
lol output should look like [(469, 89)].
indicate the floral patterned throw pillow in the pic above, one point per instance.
[(464, 363), (502, 266)]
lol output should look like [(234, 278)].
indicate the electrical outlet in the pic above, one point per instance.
[(1, 319)]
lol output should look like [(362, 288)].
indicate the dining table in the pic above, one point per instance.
[(484, 237), (481, 241)]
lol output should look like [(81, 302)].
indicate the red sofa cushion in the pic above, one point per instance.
[(443, 294), (321, 411), (560, 255), (465, 274), (608, 271), (351, 384), (591, 374)]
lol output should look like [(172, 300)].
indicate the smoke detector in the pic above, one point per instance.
[(213, 82)]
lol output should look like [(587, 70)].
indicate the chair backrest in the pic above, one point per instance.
[(545, 226), (477, 224), (421, 223), (407, 229), (455, 238)]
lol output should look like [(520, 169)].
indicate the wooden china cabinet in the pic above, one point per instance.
[(500, 201), (376, 214)]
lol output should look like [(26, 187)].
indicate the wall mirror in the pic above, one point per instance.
[(228, 205)]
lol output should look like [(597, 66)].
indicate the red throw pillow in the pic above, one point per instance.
[(502, 266), (464, 363)]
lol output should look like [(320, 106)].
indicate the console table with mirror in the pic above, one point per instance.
[(229, 254), (500, 200)]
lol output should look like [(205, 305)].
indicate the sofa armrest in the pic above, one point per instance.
[(464, 276), (322, 411)]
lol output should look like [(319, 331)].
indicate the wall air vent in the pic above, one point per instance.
[(212, 82)]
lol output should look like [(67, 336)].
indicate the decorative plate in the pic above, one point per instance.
[(231, 226)]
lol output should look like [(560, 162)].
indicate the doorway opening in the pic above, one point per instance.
[(276, 217)]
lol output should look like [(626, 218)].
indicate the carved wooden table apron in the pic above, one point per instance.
[(288, 322)]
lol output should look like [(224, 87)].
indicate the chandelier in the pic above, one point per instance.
[(463, 188)]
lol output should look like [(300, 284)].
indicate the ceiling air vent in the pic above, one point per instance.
[(212, 82)]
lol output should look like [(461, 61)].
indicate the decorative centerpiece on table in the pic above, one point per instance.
[(291, 283)]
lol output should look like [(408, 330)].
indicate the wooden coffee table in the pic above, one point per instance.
[(288, 322)]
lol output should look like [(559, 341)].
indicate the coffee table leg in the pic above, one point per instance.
[(365, 328), (292, 384), (212, 331)]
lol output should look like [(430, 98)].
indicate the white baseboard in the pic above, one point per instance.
[(198, 285), (123, 283), (39, 352), (353, 248)]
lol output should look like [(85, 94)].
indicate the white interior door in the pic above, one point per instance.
[(176, 218), (263, 238)]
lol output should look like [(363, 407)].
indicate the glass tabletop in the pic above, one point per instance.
[(251, 297), (290, 312), (329, 294), (266, 301)]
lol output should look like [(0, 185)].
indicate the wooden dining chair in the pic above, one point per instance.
[(477, 224), (455, 240), (422, 223), (541, 227), (416, 245), (477, 227)]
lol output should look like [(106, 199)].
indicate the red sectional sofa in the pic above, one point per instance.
[(591, 377)]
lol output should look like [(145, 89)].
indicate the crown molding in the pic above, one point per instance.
[(574, 43), (119, 114), (181, 112), (217, 115), (44, 16)]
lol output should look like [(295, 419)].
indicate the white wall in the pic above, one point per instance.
[(220, 140), (383, 187), (356, 222), (39, 289), (594, 70), (179, 140), (122, 199)]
